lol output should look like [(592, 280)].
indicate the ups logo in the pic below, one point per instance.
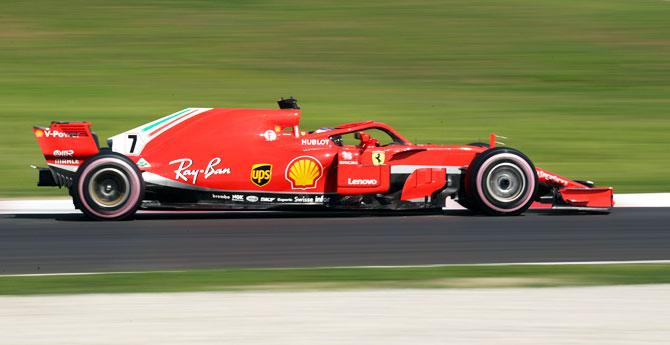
[(261, 174)]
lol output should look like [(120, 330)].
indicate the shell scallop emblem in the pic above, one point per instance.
[(304, 172)]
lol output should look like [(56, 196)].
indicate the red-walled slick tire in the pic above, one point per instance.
[(108, 186), (501, 181)]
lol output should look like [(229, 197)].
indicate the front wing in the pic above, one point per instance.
[(559, 193)]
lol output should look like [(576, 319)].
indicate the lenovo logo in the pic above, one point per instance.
[(362, 182)]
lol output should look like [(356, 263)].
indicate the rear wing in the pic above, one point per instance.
[(65, 146)]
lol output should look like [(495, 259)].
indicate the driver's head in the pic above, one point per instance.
[(337, 139)]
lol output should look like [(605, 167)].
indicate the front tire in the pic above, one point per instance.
[(501, 182), (108, 186)]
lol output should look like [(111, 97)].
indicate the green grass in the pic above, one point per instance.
[(340, 278), (581, 86)]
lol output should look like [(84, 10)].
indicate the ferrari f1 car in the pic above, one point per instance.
[(223, 159)]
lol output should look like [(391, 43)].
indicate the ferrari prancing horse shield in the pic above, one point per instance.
[(378, 157)]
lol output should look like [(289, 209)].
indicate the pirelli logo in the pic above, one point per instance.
[(261, 174)]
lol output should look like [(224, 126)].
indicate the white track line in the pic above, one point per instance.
[(630, 262), (37, 206), (642, 200), (64, 205)]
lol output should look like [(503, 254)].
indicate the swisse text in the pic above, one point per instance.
[(361, 182), (63, 153), (308, 199), (184, 173)]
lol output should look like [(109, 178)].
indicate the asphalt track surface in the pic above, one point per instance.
[(70, 243)]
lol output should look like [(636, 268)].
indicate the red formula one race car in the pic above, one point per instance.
[(223, 159)]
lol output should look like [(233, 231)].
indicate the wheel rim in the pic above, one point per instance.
[(506, 183), (108, 187)]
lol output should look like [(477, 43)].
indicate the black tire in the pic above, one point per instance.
[(501, 182), (108, 186)]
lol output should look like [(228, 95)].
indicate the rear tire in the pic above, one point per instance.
[(500, 182), (108, 186)]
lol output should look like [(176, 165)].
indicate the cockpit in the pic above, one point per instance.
[(365, 139)]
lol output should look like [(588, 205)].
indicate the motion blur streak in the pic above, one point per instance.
[(68, 243), (580, 86), (594, 315)]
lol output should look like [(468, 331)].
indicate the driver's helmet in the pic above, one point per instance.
[(337, 139)]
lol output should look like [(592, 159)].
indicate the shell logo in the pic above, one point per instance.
[(39, 133), (304, 172)]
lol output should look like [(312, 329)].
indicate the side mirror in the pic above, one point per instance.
[(357, 135)]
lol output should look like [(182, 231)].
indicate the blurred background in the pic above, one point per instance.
[(582, 87)]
